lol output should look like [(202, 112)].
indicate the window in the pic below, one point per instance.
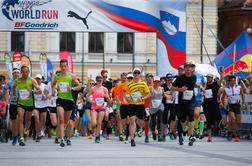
[(96, 42), (125, 42), (67, 41), (18, 41)]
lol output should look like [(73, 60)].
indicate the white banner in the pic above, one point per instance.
[(165, 17)]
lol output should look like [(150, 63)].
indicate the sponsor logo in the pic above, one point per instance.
[(29, 14), (241, 65), (76, 16)]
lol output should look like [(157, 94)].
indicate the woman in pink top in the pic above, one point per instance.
[(97, 97)]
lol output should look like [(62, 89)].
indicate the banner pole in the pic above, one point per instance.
[(82, 59), (234, 54)]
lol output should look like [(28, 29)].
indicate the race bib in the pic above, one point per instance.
[(169, 98), (99, 101), (63, 87), (80, 106), (155, 103), (24, 94), (110, 110), (208, 93), (135, 96), (233, 99), (38, 97), (187, 95)]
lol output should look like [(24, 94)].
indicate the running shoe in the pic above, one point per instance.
[(68, 142), (192, 139), (181, 141), (164, 138), (37, 139), (146, 140), (171, 136), (126, 141), (121, 137), (160, 138), (15, 140), (26, 133), (209, 139), (56, 140), (90, 136), (62, 144), (154, 136), (97, 140), (76, 133), (22, 142), (201, 136), (132, 142), (229, 136), (140, 133), (236, 138), (53, 132)]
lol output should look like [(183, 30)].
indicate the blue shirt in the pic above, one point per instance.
[(200, 80), (9, 86)]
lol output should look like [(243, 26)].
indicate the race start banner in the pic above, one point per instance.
[(165, 17)]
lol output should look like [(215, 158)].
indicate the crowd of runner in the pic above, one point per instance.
[(174, 106)]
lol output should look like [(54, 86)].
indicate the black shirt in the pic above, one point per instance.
[(189, 82), (215, 88), (108, 85)]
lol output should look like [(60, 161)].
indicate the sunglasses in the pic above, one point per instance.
[(136, 72)]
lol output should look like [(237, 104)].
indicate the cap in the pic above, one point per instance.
[(137, 69), (98, 78), (130, 75), (169, 76), (15, 70), (156, 78), (209, 75), (149, 76), (192, 63), (187, 64), (181, 67), (38, 76)]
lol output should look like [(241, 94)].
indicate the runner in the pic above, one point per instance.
[(185, 85), (168, 102), (198, 112), (124, 105), (156, 108), (11, 89), (25, 86), (98, 93), (65, 104), (210, 104), (235, 95), (87, 108), (40, 111), (136, 92)]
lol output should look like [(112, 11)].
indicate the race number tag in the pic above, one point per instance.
[(80, 106), (155, 103), (187, 95), (233, 99), (99, 101), (63, 87), (169, 98), (135, 96), (24, 94), (208, 93), (38, 97)]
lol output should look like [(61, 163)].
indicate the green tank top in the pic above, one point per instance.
[(25, 97), (62, 85)]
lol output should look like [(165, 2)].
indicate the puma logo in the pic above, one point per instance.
[(75, 15)]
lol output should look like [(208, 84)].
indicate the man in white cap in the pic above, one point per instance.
[(136, 93), (11, 89)]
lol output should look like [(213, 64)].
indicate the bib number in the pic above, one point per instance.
[(155, 103), (24, 94), (135, 96), (63, 87), (208, 93), (233, 100), (99, 101), (187, 95)]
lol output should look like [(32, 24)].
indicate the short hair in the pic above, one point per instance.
[(124, 74), (230, 77), (63, 61)]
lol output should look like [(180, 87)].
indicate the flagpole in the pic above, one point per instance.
[(234, 54)]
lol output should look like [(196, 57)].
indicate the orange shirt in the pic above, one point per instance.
[(119, 91)]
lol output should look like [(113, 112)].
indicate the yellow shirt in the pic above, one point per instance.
[(136, 91)]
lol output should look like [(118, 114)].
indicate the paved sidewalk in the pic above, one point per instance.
[(85, 152)]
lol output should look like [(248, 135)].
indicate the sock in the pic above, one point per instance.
[(196, 123), (201, 127), (146, 131)]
